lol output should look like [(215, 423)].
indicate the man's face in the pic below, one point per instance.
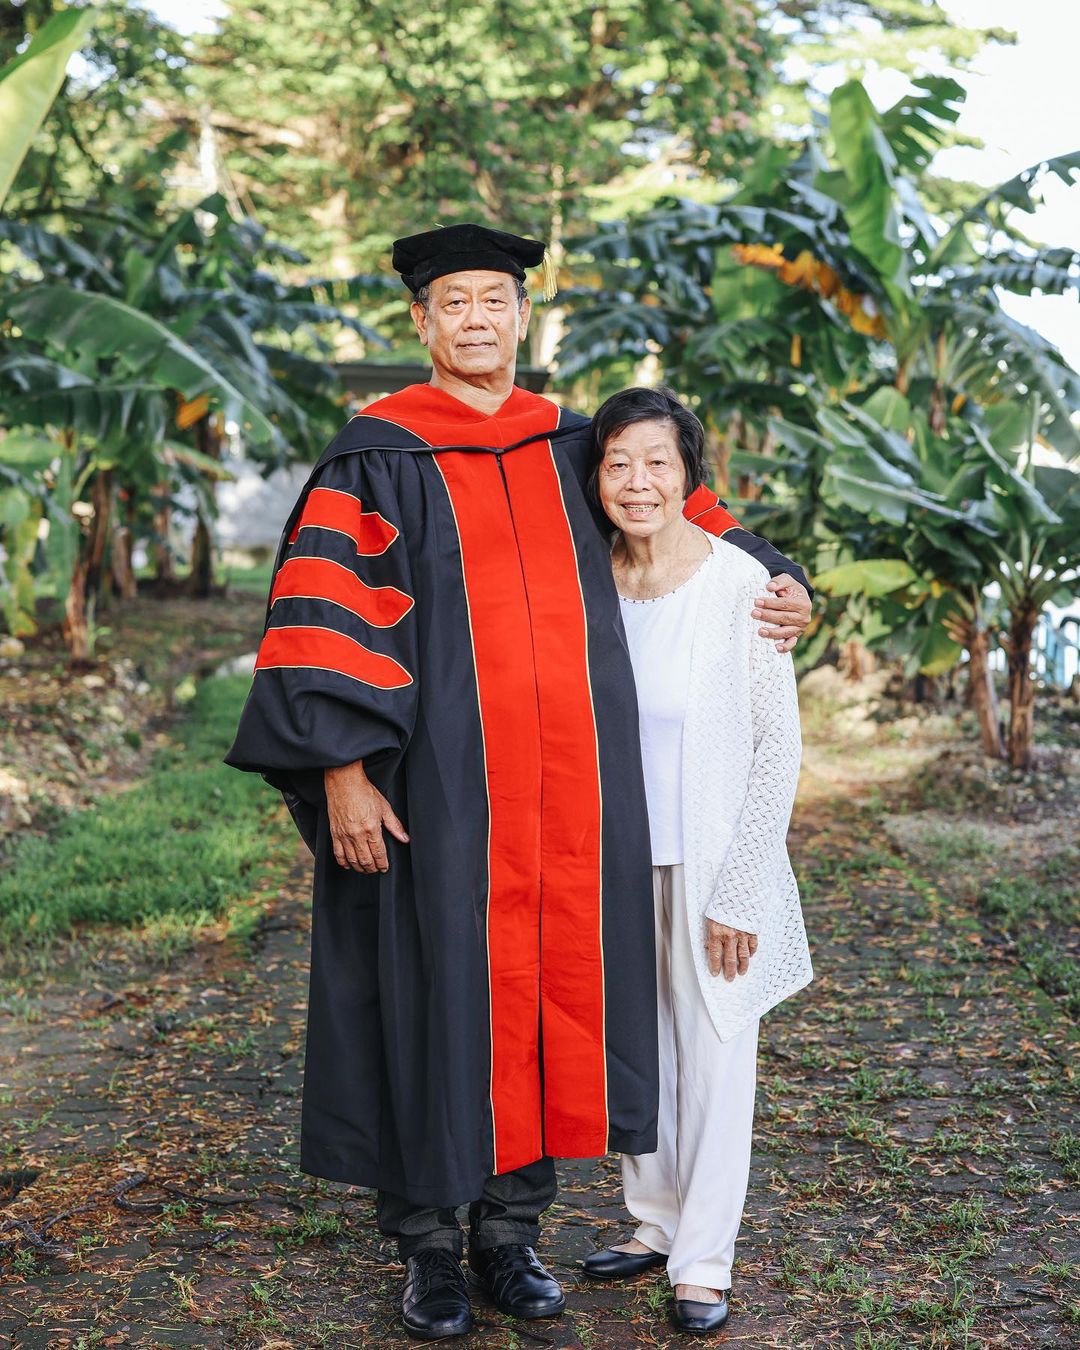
[(472, 325)]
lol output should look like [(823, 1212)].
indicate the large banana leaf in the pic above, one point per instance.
[(57, 254), (86, 326), (868, 165), (30, 82), (871, 576), (917, 125), (1019, 192)]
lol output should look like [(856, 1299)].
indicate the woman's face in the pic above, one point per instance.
[(642, 479)]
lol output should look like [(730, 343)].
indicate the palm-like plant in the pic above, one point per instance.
[(132, 346), (853, 358)]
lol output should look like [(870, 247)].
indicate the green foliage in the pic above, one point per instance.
[(28, 85), (861, 381), (189, 841), (129, 345), (97, 134), (392, 118)]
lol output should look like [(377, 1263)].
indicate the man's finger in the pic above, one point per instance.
[(781, 632), (753, 943), (355, 856), (743, 952), (377, 847), (343, 854), (778, 613), (730, 961), (339, 851), (395, 826), (364, 861), (788, 645)]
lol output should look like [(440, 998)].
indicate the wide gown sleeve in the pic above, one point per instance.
[(757, 858), (705, 509), (336, 673)]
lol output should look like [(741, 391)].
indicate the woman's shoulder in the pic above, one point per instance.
[(735, 564)]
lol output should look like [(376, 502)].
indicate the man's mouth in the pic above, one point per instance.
[(474, 346)]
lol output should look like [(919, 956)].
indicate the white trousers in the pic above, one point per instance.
[(688, 1196)]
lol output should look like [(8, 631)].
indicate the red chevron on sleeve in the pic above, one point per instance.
[(324, 579), (312, 648), (329, 509), (703, 508)]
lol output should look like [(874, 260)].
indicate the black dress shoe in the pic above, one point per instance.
[(700, 1317), (612, 1265), (518, 1283), (435, 1302)]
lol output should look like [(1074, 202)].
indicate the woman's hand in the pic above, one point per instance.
[(728, 949)]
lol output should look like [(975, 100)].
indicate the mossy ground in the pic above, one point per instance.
[(916, 1158)]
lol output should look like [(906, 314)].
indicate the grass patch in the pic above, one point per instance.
[(1039, 913), (175, 850)]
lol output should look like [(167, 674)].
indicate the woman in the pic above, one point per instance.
[(720, 749)]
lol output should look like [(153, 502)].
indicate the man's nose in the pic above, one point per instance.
[(476, 317)]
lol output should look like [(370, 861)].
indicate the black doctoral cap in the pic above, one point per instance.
[(421, 258)]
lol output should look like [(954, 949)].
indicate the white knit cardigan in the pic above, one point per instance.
[(741, 752)]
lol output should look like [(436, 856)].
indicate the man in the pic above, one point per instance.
[(443, 692)]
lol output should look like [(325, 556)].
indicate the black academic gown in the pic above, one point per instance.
[(449, 617)]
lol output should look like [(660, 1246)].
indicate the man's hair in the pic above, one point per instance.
[(423, 295), (639, 404)]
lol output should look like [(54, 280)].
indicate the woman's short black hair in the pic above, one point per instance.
[(648, 405)]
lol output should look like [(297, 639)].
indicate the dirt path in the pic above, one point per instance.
[(917, 1147)]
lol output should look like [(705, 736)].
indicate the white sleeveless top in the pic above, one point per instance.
[(660, 635)]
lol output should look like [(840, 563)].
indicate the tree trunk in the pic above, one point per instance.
[(1021, 686), (97, 542), (201, 582), (87, 573), (983, 694), (164, 563), (856, 661), (718, 450), (76, 627), (123, 574)]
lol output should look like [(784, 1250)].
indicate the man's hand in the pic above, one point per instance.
[(728, 949), (786, 609), (358, 813)]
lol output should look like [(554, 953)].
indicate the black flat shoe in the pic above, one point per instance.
[(517, 1282), (699, 1317), (612, 1265), (435, 1301)]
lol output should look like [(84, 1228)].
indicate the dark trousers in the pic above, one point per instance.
[(508, 1211)]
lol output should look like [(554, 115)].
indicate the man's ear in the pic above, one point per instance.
[(419, 318), (523, 318)]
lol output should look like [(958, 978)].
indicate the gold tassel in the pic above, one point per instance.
[(549, 277)]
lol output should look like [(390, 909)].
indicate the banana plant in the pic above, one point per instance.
[(869, 397), (30, 82), (995, 520), (133, 347)]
